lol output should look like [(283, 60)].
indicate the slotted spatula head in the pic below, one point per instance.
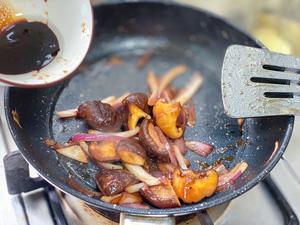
[(257, 82)]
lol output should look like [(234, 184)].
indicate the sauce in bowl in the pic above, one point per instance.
[(24, 46)]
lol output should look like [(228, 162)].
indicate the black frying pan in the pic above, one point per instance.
[(177, 34)]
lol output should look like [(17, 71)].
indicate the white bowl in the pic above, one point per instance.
[(72, 22)]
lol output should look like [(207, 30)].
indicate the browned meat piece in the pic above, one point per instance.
[(112, 182), (180, 143), (100, 116)]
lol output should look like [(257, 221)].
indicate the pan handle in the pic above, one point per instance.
[(204, 218), (126, 219), (17, 172)]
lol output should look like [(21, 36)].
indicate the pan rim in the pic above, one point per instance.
[(158, 212)]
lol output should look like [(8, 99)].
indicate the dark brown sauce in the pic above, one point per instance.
[(26, 46), (240, 143), (222, 159), (203, 165)]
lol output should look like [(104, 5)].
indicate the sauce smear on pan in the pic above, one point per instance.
[(26, 46)]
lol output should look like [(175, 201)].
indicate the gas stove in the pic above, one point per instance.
[(274, 201)]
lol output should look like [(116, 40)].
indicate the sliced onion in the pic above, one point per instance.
[(99, 136), (115, 60), (74, 152), (220, 169), (169, 76), (179, 157), (109, 100), (153, 86), (190, 111), (136, 205), (180, 143), (111, 199), (128, 198), (165, 95), (84, 146), (134, 188), (230, 177), (125, 134), (95, 137), (118, 102), (167, 145), (73, 112), (142, 174), (172, 157), (67, 113), (191, 88), (276, 147), (110, 166), (144, 59), (241, 121), (199, 148)]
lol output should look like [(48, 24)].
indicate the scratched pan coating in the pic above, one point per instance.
[(177, 35)]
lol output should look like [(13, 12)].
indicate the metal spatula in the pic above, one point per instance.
[(257, 82)]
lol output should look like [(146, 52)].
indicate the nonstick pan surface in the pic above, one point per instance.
[(177, 35)]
